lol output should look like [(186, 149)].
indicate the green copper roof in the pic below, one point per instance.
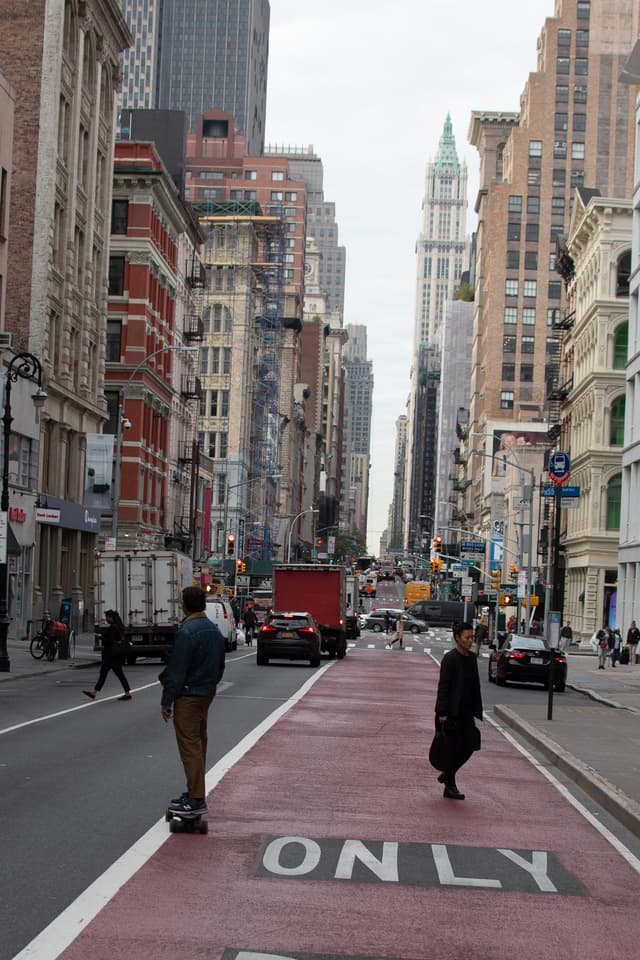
[(447, 153)]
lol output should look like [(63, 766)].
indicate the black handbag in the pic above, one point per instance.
[(442, 750)]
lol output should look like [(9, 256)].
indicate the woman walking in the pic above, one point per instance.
[(458, 701), (633, 636), (399, 634), (113, 654)]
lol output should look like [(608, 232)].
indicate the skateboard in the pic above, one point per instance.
[(186, 822)]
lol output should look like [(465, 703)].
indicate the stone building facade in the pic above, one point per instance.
[(61, 57), (598, 250)]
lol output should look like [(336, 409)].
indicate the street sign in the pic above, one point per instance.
[(242, 580), (473, 546), (549, 490), (559, 467), (534, 600)]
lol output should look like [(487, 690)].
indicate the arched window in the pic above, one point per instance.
[(616, 433), (614, 497), (620, 344), (623, 271)]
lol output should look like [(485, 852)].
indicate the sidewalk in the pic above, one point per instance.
[(23, 664)]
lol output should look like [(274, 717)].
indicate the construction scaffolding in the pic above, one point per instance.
[(244, 261)]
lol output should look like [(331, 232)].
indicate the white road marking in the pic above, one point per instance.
[(371, 646), (617, 844), (62, 931), (94, 703)]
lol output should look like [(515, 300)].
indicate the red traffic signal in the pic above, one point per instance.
[(231, 544)]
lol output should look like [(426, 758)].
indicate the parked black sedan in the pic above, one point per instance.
[(527, 660)]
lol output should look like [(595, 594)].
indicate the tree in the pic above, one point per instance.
[(351, 544), (465, 292)]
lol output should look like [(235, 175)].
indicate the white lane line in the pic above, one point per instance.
[(62, 931), (95, 703), (617, 844), (371, 646)]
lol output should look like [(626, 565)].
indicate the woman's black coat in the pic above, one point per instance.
[(449, 701)]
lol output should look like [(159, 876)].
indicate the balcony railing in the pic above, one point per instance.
[(190, 388), (193, 330)]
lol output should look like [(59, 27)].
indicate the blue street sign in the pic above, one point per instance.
[(473, 546), (549, 490), (559, 465)]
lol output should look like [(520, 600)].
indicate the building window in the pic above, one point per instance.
[(532, 232), (235, 194), (509, 344), (563, 65), (535, 148), (530, 288), (528, 317), (620, 346), (560, 149), (579, 122), (116, 276), (614, 497), (528, 345), (616, 422), (506, 400), (559, 177), (119, 217), (577, 178), (579, 94), (251, 175), (114, 341), (562, 94), (277, 175), (553, 316), (533, 204), (577, 151), (564, 38), (581, 67), (555, 290), (513, 259), (291, 196), (561, 121), (557, 206), (582, 38), (513, 231), (584, 9), (623, 271), (508, 372), (510, 315), (250, 194), (526, 373), (277, 195), (531, 260), (515, 204), (511, 288), (552, 262)]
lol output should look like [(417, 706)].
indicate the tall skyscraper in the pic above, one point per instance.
[(357, 428), (575, 128), (213, 54), (441, 259), (139, 62)]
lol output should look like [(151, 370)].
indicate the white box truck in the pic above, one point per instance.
[(145, 587)]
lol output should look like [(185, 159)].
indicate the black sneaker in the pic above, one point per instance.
[(181, 799), (189, 807)]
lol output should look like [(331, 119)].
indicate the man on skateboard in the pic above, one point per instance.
[(189, 682)]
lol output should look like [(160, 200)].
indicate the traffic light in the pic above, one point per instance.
[(437, 544), (319, 541), (496, 577), (231, 544), (513, 572), (505, 600)]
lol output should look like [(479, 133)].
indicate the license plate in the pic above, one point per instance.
[(536, 660), (285, 634)]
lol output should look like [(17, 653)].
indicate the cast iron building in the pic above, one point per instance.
[(214, 54)]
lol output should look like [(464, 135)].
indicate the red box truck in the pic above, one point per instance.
[(318, 589)]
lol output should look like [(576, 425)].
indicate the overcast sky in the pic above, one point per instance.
[(369, 83)]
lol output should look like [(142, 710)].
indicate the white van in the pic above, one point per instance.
[(219, 611)]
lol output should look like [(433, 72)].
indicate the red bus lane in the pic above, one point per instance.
[(331, 839)]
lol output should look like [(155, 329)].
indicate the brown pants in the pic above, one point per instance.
[(190, 724)]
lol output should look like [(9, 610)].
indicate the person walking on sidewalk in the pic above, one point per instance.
[(633, 636), (615, 641), (250, 623), (399, 634), (189, 682), (114, 652), (602, 642), (458, 701)]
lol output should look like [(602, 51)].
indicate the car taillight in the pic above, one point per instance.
[(306, 630), (560, 659), (516, 655), (265, 628)]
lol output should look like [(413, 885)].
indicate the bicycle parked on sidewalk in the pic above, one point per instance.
[(46, 643)]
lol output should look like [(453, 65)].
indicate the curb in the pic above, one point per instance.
[(594, 695), (613, 800), (57, 668)]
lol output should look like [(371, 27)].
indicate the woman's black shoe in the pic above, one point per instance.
[(452, 793), (441, 778)]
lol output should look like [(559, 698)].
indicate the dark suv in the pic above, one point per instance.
[(289, 636), (439, 613)]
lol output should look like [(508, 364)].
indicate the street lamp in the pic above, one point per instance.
[(123, 423), (292, 525), (26, 366)]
